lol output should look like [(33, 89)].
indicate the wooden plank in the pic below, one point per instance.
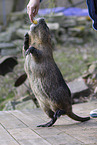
[(10, 121), (45, 132), (4, 142), (26, 136), (84, 109), (38, 113), (86, 131), (6, 138), (30, 120), (63, 139), (23, 133), (35, 141)]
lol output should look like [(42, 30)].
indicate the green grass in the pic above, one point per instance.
[(6, 90), (3, 101), (71, 60)]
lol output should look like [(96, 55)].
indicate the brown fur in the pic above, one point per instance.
[(44, 76)]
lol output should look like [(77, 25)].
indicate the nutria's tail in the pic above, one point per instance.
[(78, 118)]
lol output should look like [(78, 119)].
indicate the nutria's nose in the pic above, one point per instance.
[(39, 21)]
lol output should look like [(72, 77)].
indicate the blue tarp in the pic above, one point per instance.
[(72, 11)]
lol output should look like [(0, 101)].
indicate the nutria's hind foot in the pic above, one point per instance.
[(57, 114), (50, 123)]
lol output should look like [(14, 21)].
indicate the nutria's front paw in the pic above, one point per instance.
[(26, 41), (30, 50)]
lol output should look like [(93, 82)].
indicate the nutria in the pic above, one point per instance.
[(44, 76)]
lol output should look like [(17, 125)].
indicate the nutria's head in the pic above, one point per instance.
[(39, 33)]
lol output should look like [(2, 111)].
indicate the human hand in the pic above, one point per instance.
[(32, 8)]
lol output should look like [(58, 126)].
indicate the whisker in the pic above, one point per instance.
[(27, 20)]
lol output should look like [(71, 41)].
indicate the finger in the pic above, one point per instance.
[(36, 11), (31, 14), (31, 18)]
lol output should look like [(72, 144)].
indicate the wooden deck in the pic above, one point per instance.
[(19, 128)]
